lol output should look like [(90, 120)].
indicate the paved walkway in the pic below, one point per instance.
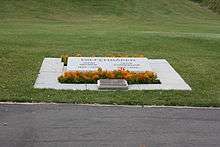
[(66, 125)]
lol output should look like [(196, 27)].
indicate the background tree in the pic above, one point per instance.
[(214, 5)]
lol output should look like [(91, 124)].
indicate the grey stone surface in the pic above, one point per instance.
[(48, 77), (112, 84), (52, 65), (170, 79), (59, 86), (91, 87), (52, 68), (66, 125), (133, 87)]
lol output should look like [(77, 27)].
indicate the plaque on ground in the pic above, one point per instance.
[(107, 63), (112, 84)]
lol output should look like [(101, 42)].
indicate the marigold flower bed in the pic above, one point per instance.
[(147, 77)]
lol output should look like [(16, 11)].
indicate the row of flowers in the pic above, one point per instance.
[(147, 77)]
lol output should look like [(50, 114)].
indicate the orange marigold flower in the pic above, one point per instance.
[(95, 77), (122, 74)]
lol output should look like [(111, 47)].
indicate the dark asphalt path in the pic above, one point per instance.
[(66, 125)]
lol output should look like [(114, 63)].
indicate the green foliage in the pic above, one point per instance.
[(79, 80), (211, 4), (183, 33), (94, 10), (198, 1), (64, 59), (147, 77), (214, 5)]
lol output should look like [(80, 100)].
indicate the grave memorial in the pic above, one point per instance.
[(107, 63), (97, 73), (112, 84), (91, 69)]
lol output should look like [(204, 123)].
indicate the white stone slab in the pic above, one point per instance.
[(73, 86), (107, 63), (51, 69), (133, 87), (91, 87), (60, 86), (47, 77), (170, 79), (52, 65)]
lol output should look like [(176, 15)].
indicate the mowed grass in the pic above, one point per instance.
[(183, 33)]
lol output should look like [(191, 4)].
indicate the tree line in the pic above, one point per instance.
[(211, 4)]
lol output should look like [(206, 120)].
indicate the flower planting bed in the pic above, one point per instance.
[(91, 77)]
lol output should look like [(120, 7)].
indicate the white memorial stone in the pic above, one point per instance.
[(107, 63), (112, 84)]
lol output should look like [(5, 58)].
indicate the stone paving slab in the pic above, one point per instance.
[(53, 67), (170, 79), (61, 86), (47, 77), (91, 87)]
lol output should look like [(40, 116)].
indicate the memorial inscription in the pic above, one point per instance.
[(107, 63), (112, 84)]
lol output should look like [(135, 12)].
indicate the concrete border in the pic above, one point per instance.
[(53, 67), (108, 105)]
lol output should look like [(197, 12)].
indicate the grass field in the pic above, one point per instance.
[(182, 32)]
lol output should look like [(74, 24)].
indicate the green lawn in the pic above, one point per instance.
[(181, 32)]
